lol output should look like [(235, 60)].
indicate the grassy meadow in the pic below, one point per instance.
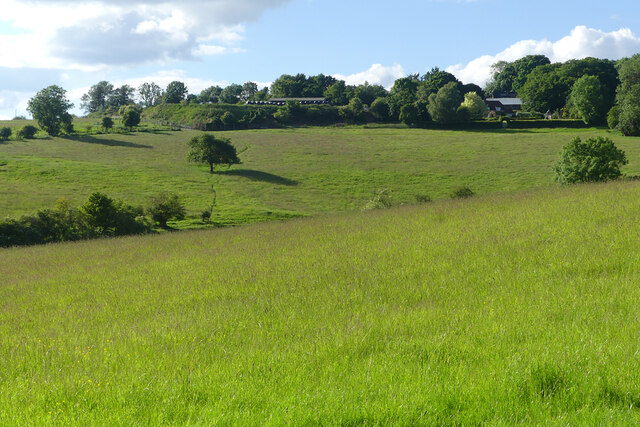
[(285, 173), (502, 309)]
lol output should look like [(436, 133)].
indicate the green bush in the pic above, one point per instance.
[(206, 215), (107, 123), (462, 192), (165, 207), (5, 132), (27, 132), (99, 216), (130, 118), (596, 159), (110, 217)]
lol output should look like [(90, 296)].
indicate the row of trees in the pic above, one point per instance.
[(589, 89)]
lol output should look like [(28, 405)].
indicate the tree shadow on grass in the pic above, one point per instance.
[(255, 175), (110, 142)]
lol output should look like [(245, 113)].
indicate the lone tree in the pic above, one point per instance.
[(131, 118), (214, 151), (49, 108), (596, 159), (164, 207)]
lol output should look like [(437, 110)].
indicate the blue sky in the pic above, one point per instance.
[(75, 44)]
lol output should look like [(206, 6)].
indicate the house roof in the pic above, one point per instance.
[(295, 99), (506, 101)]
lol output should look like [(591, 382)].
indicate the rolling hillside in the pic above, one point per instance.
[(285, 173), (503, 309)]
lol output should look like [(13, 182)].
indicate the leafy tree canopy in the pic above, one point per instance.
[(210, 94), (121, 96), (213, 151), (444, 104), (96, 98), (150, 94), (176, 91), (49, 108), (511, 76), (596, 159), (435, 80), (589, 99), (339, 93), (476, 106)]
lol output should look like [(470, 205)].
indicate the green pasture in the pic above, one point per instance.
[(502, 309), (285, 173)]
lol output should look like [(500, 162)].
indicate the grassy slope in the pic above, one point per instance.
[(285, 172), (501, 309)]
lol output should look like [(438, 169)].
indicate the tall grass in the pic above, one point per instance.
[(501, 309)]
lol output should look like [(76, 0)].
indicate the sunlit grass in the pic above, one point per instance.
[(503, 309), (285, 173)]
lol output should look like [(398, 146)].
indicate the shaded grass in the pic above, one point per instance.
[(285, 173), (503, 309)]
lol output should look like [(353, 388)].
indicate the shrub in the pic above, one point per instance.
[(99, 216), (206, 215), (596, 159), (5, 132), (164, 207), (131, 118), (107, 123), (462, 192), (382, 199), (27, 132), (110, 217)]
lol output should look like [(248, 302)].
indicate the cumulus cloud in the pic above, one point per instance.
[(582, 42), (75, 34), (376, 74)]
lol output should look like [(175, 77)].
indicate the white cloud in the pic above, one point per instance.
[(582, 42), (13, 103), (75, 34), (376, 74)]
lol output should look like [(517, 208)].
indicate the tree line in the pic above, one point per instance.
[(596, 91)]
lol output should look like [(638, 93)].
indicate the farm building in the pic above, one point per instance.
[(282, 101), (507, 106)]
